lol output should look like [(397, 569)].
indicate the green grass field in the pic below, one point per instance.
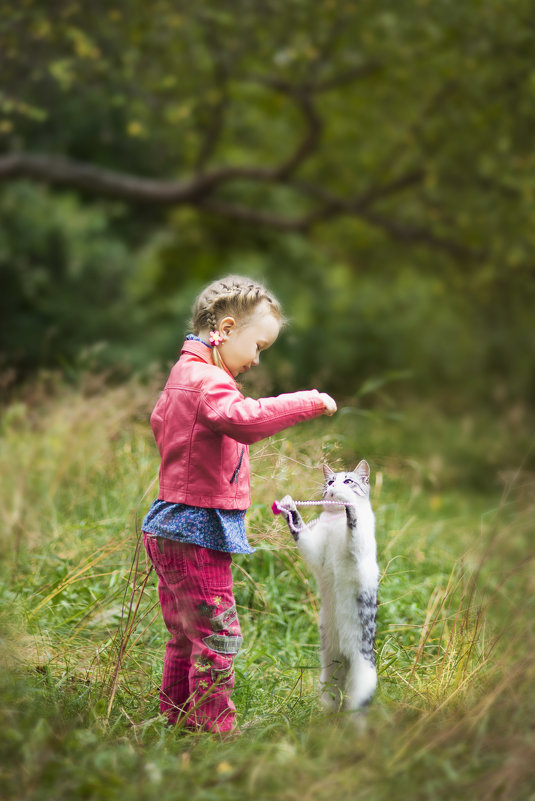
[(82, 640)]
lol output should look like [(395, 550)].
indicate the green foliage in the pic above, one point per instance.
[(454, 709), (418, 118), (63, 273)]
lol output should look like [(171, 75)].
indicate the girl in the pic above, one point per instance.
[(203, 426)]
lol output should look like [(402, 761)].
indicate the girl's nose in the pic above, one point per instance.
[(256, 360)]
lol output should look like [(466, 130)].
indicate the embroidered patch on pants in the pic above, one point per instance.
[(205, 609), (222, 644), (221, 676), (224, 620)]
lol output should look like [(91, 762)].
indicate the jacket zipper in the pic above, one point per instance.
[(237, 470)]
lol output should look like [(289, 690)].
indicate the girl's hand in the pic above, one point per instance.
[(329, 403)]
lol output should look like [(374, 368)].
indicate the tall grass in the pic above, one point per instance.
[(82, 639)]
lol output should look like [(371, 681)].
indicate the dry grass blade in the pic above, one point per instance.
[(77, 573), (128, 622)]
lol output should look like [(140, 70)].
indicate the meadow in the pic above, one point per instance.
[(82, 639)]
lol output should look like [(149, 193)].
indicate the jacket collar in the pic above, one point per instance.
[(202, 352), (199, 349)]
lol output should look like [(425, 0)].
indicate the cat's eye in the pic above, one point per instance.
[(348, 481)]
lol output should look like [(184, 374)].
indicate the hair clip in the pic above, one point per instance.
[(215, 338)]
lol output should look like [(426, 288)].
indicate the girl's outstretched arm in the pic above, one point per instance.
[(249, 420)]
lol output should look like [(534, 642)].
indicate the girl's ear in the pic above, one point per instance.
[(327, 472), (226, 325)]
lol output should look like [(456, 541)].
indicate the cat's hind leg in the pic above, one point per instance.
[(333, 680), (334, 664)]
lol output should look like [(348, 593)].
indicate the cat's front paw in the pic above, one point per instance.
[(287, 507), (287, 503), (284, 507)]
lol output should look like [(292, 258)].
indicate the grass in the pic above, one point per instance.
[(82, 640)]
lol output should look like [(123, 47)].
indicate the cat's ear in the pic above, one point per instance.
[(327, 472), (362, 470)]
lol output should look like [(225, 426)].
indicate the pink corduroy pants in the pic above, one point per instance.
[(199, 611)]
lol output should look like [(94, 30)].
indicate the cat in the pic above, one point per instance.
[(339, 546)]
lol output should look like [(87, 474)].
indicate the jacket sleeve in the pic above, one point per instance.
[(249, 420)]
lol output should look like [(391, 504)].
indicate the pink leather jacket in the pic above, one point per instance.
[(203, 426)]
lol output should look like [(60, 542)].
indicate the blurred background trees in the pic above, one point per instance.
[(373, 162)]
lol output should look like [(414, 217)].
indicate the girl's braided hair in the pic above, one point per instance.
[(234, 296)]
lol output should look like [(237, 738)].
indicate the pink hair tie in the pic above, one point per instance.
[(215, 338)]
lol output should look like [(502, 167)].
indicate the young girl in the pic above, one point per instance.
[(203, 426)]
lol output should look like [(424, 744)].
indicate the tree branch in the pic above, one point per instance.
[(213, 130), (197, 191), (395, 229), (365, 199), (302, 94), (246, 214), (423, 236), (64, 172), (326, 85), (59, 171), (310, 141)]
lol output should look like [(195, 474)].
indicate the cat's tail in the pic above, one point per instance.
[(361, 684), (362, 676)]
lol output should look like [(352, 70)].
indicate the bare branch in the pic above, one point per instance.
[(317, 87), (310, 141), (423, 236), (197, 191), (396, 230), (348, 76), (211, 135), (64, 172), (302, 94), (213, 131), (246, 214), (59, 171), (363, 201)]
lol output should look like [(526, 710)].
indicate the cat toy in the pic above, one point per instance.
[(278, 508)]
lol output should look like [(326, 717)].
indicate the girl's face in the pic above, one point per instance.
[(243, 342)]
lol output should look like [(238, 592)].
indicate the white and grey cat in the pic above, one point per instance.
[(340, 548)]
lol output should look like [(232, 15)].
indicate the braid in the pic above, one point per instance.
[(212, 322), (235, 296)]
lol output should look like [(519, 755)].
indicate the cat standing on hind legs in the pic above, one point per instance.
[(340, 549)]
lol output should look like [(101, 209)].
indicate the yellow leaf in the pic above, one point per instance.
[(63, 72), (135, 128), (42, 29), (84, 47)]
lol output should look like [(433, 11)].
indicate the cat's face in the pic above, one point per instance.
[(344, 486)]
